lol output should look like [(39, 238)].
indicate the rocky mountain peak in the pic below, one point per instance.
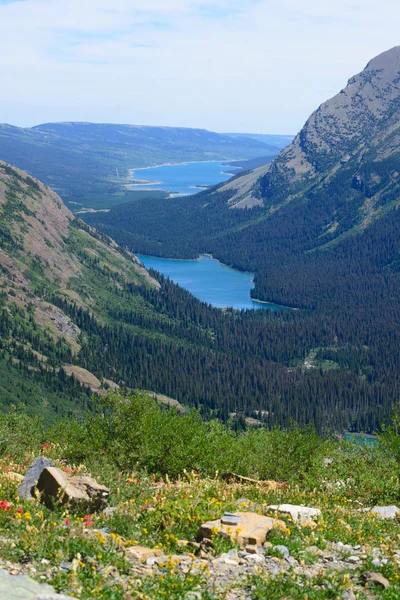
[(360, 117)]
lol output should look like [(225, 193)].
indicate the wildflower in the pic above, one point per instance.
[(18, 516), (4, 505), (88, 521), (67, 522), (27, 516)]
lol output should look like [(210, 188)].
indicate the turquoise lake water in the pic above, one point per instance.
[(182, 179), (210, 281)]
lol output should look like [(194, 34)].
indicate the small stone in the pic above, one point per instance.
[(252, 528), (308, 523), (314, 550), (349, 595), (385, 512), (353, 559), (298, 513), (376, 578), (251, 549), (141, 553), (254, 559), (267, 545), (283, 550)]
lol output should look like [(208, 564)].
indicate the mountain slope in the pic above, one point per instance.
[(74, 303), (88, 163), (360, 126), (43, 256)]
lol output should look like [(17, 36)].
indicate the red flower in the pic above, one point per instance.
[(67, 522), (20, 511), (4, 505)]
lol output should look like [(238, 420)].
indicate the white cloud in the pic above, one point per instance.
[(260, 65)]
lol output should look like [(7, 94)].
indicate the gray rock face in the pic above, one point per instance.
[(364, 116), (21, 587), (31, 478)]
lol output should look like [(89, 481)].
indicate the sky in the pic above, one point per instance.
[(258, 66)]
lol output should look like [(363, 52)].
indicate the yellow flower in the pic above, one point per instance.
[(27, 516), (18, 516)]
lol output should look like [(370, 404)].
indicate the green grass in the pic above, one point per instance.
[(163, 470)]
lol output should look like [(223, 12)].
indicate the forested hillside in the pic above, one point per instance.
[(72, 299)]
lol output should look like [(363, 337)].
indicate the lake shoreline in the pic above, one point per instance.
[(185, 162), (183, 178), (250, 299)]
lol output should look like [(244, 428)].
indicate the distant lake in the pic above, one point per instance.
[(183, 179), (210, 281)]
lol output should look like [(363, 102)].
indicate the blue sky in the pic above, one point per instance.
[(225, 65)]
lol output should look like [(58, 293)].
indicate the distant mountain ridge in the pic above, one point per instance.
[(88, 163)]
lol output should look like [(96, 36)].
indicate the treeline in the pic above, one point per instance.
[(247, 363)]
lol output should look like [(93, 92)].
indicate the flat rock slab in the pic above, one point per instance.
[(141, 553), (21, 587), (386, 512), (31, 478), (297, 513), (249, 528)]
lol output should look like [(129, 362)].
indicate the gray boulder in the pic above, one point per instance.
[(31, 478)]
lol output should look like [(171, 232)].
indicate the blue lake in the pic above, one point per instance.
[(210, 281), (182, 179)]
